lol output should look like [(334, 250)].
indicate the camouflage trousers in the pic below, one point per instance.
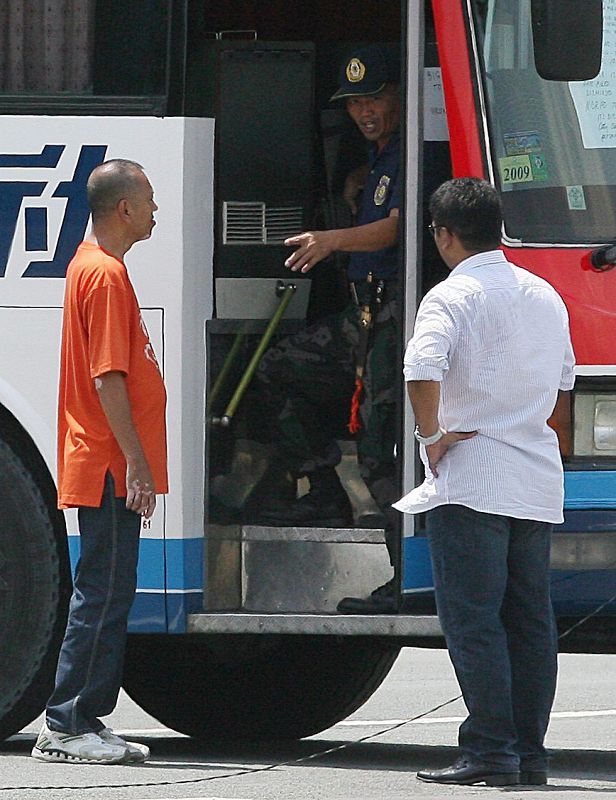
[(307, 381)]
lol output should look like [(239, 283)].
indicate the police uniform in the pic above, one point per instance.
[(381, 194), (307, 375)]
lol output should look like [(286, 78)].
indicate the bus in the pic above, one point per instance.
[(234, 630)]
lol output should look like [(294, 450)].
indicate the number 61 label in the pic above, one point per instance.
[(516, 169)]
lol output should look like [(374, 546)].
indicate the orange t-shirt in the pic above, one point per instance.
[(103, 332)]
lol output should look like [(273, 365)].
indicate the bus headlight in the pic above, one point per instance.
[(594, 431)]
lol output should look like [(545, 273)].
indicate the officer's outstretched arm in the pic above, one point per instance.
[(314, 246)]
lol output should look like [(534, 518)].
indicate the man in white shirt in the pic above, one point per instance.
[(489, 362)]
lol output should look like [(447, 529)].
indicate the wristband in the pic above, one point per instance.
[(428, 440)]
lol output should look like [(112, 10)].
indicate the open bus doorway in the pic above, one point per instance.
[(283, 145), (276, 82)]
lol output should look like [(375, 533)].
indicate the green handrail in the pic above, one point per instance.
[(226, 368), (286, 295)]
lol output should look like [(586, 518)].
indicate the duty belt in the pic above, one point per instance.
[(368, 313)]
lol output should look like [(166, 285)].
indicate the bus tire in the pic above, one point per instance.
[(254, 687), (34, 591)]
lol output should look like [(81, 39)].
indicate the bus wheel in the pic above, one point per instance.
[(34, 589), (253, 687)]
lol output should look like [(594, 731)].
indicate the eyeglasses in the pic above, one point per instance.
[(433, 228)]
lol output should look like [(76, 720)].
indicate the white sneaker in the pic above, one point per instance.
[(135, 752), (85, 748)]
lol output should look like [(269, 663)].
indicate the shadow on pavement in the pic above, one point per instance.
[(181, 753)]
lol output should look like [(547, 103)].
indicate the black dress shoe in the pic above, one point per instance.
[(533, 777), (383, 600), (465, 772)]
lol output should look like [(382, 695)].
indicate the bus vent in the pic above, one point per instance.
[(253, 223), (243, 223), (280, 223)]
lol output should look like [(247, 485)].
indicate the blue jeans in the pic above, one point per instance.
[(491, 575), (91, 661)]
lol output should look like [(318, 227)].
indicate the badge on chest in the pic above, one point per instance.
[(380, 193)]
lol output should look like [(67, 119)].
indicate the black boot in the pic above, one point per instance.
[(383, 600), (326, 505)]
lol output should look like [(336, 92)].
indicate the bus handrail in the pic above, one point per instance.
[(226, 368), (285, 292)]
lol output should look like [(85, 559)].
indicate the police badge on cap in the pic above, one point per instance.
[(366, 70), (355, 71)]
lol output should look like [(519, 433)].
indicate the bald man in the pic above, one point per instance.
[(112, 461)]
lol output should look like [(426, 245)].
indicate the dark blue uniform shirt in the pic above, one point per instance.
[(380, 195)]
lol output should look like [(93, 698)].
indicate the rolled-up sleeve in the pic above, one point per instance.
[(434, 338), (567, 375), (395, 196), (567, 378)]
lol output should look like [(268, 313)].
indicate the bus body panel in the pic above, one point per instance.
[(589, 296), (44, 168), (467, 156), (28, 394)]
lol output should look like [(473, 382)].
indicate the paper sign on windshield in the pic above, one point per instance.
[(595, 100)]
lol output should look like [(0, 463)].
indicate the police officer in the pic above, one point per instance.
[(307, 374)]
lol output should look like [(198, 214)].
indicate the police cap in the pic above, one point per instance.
[(366, 70)]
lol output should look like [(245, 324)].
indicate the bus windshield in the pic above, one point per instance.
[(553, 144)]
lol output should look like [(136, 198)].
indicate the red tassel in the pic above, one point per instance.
[(354, 420)]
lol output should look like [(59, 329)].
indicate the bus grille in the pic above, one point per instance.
[(254, 223)]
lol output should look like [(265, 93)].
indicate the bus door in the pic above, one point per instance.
[(282, 155)]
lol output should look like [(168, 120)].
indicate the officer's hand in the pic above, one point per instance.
[(436, 451), (312, 247), (140, 494)]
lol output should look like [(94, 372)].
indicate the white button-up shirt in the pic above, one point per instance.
[(497, 338)]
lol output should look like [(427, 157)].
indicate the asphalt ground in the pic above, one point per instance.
[(582, 738)]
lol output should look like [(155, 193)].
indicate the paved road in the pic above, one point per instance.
[(582, 735)]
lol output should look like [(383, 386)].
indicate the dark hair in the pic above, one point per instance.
[(470, 208), (110, 182)]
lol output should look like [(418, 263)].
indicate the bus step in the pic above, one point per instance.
[(275, 570), (398, 625)]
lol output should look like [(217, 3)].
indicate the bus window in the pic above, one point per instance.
[(85, 49), (46, 48), (552, 142)]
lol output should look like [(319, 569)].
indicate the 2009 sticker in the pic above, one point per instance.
[(516, 169), (523, 168)]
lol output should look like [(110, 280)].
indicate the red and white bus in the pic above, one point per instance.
[(234, 627)]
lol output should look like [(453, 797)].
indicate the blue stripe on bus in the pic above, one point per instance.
[(184, 563), (578, 592), (588, 520), (159, 611), (163, 613), (574, 592), (182, 559), (416, 564), (590, 489)]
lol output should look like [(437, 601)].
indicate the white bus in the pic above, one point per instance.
[(233, 630)]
